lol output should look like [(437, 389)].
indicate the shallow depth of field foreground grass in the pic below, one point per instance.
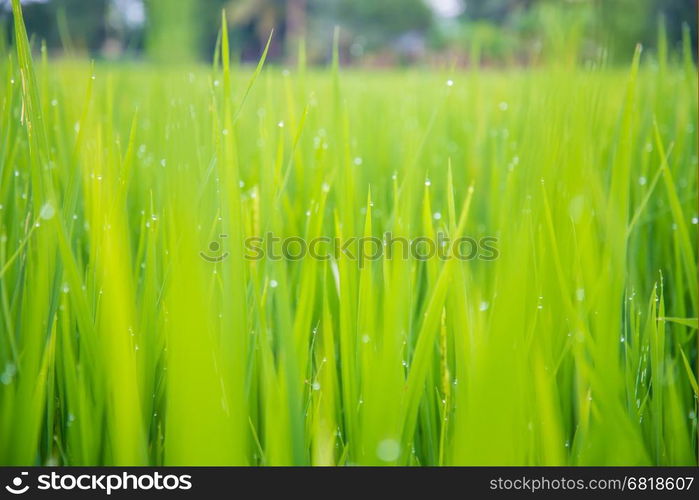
[(120, 344)]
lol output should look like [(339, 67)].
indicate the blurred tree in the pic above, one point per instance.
[(178, 30), (172, 32), (495, 10), (254, 20), (621, 24), (379, 32), (85, 21), (295, 23), (381, 22), (209, 13), (125, 21), (676, 14), (617, 25)]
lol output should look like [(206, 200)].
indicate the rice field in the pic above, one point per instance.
[(142, 324)]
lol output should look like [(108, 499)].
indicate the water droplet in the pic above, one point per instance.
[(325, 187), (503, 106), (388, 450), (695, 220), (280, 124), (642, 180), (54, 102), (47, 211), (580, 294), (8, 373), (357, 161), (316, 386), (66, 288), (436, 216), (163, 162), (483, 306), (216, 83), (366, 338), (241, 184), (273, 283), (428, 182), (450, 83), (224, 131)]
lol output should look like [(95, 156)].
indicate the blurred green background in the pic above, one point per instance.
[(373, 32)]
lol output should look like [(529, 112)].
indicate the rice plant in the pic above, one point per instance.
[(137, 328)]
